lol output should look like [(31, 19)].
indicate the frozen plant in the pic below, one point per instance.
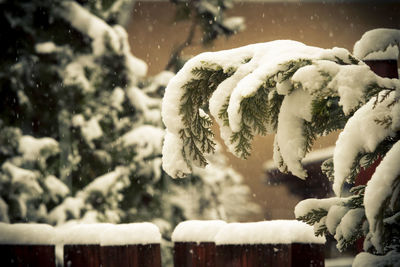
[(298, 93)]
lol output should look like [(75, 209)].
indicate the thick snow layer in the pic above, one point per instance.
[(90, 129), (32, 148), (391, 53), (339, 262), (46, 48), (365, 259), (27, 179), (83, 234), (234, 23), (351, 82), (130, 234), (27, 234), (306, 206), (379, 189), (107, 234), (362, 134), (147, 139), (117, 98), (310, 76), (319, 154), (378, 40), (173, 161), (197, 231), (55, 186), (104, 183), (335, 214), (349, 224), (267, 232), (295, 108), (70, 206)]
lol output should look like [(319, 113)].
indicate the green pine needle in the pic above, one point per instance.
[(314, 216), (197, 135)]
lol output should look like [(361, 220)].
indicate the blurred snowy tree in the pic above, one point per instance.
[(81, 130), (207, 16), (300, 92)]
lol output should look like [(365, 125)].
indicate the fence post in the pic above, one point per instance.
[(385, 68), (194, 243), (81, 244), (27, 245), (281, 243), (307, 255), (133, 245)]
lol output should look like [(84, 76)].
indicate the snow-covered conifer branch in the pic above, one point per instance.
[(362, 135), (284, 87), (379, 193), (300, 93), (365, 259), (378, 44)]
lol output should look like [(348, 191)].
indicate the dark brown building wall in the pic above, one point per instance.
[(153, 35)]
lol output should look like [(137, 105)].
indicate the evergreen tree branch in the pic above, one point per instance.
[(197, 134)]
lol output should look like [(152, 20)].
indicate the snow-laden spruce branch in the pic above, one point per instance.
[(284, 87), (378, 44), (299, 93)]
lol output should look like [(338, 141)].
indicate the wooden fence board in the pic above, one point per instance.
[(27, 255)]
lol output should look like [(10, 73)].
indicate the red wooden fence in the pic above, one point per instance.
[(27, 255), (125, 246), (82, 255), (148, 255), (131, 256), (82, 245), (194, 243), (27, 245), (266, 255), (233, 246), (192, 254)]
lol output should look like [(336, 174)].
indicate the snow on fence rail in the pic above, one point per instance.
[(136, 244), (194, 243), (281, 243), (21, 244), (270, 243)]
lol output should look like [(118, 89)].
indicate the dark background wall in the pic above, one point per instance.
[(153, 35)]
